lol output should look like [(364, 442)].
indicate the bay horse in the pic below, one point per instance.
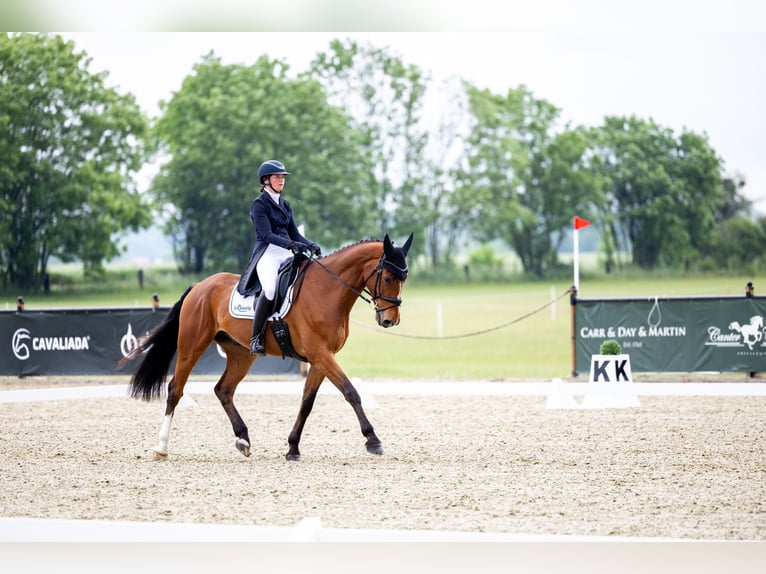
[(318, 322)]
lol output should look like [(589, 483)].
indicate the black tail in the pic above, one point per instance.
[(160, 347)]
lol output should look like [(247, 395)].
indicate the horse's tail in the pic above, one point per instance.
[(160, 346)]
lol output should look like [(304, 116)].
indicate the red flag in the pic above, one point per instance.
[(579, 223)]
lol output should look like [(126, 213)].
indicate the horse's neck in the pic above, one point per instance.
[(353, 265)]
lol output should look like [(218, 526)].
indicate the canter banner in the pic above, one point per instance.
[(92, 341), (703, 334)]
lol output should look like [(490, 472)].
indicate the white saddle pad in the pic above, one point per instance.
[(242, 307)]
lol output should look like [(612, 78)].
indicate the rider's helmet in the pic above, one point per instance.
[(271, 167)]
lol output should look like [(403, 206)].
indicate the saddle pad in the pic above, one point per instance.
[(242, 307)]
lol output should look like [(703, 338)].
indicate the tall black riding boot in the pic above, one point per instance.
[(262, 309)]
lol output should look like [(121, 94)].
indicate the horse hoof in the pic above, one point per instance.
[(375, 449), (293, 457), (243, 446), (160, 455)]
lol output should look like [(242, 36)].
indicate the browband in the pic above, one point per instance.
[(400, 272)]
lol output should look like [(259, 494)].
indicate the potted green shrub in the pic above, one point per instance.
[(610, 347)]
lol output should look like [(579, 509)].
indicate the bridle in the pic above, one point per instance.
[(399, 272), (401, 275)]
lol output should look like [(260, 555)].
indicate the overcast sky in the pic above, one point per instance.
[(706, 74)]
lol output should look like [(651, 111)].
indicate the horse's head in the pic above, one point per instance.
[(390, 275)]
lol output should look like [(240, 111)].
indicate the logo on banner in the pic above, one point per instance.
[(19, 345), (747, 335), (128, 341), (22, 340)]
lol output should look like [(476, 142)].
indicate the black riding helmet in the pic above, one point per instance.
[(271, 167)]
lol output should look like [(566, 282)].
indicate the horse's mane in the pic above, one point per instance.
[(350, 245), (395, 261)]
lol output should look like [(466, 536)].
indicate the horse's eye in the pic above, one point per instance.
[(387, 280)]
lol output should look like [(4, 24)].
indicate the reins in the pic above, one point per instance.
[(361, 294), (340, 280)]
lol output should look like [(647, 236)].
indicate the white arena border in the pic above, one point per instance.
[(369, 389), (307, 530), (311, 529)]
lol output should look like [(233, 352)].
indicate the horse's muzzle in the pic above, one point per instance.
[(385, 319)]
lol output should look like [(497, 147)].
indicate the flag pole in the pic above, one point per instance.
[(578, 223), (576, 243)]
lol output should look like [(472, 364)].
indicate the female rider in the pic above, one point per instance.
[(276, 239)]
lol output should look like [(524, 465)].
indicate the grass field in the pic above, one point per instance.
[(515, 346), (452, 332)]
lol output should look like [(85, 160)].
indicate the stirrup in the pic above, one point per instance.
[(256, 347)]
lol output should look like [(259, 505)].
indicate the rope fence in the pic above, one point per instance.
[(472, 333)]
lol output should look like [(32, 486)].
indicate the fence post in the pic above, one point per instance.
[(749, 292), (572, 304)]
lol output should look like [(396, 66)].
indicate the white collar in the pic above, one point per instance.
[(273, 195)]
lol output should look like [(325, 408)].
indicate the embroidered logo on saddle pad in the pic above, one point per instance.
[(242, 307)]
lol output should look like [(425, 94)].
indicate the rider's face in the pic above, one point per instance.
[(277, 182)]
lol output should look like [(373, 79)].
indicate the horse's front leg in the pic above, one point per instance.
[(343, 384), (310, 388)]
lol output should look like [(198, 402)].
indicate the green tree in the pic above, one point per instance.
[(664, 189), (522, 182), (566, 180), (738, 244), (430, 204), (738, 239), (220, 126), (734, 202), (71, 147), (496, 156), (386, 96)]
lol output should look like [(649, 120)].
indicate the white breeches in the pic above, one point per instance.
[(268, 267)]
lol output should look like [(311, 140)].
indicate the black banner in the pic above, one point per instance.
[(92, 341), (667, 334)]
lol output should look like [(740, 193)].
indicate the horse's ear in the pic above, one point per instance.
[(388, 246), (407, 244)]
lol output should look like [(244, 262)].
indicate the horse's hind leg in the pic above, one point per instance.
[(161, 449), (237, 365), (184, 365)]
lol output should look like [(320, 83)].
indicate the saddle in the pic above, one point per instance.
[(286, 278), (288, 288), (241, 307)]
